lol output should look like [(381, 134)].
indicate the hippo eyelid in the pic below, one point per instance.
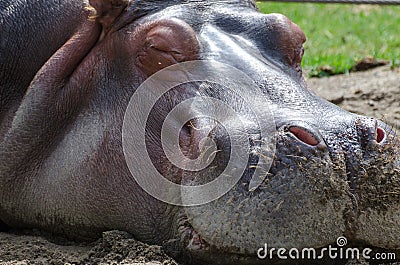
[(157, 49), (153, 46), (172, 53), (175, 52)]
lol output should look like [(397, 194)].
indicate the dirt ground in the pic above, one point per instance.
[(374, 93)]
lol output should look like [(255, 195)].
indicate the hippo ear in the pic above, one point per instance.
[(289, 39), (167, 42), (106, 11)]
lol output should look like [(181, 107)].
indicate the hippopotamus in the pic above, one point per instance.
[(69, 70)]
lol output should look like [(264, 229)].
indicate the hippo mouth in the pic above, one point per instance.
[(199, 251), (193, 240)]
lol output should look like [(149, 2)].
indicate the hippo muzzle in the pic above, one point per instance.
[(332, 173)]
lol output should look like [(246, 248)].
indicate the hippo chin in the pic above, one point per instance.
[(64, 91)]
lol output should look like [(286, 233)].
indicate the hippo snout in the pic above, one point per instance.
[(335, 170), (362, 154)]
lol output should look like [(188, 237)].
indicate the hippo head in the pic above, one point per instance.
[(332, 173)]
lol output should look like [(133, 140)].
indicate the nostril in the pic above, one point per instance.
[(380, 135), (304, 136)]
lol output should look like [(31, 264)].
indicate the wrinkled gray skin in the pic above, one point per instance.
[(62, 167)]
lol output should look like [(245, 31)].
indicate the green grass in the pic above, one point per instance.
[(338, 35)]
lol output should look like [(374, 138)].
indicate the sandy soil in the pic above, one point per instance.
[(115, 247), (374, 93)]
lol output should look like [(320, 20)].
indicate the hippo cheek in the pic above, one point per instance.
[(166, 42)]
